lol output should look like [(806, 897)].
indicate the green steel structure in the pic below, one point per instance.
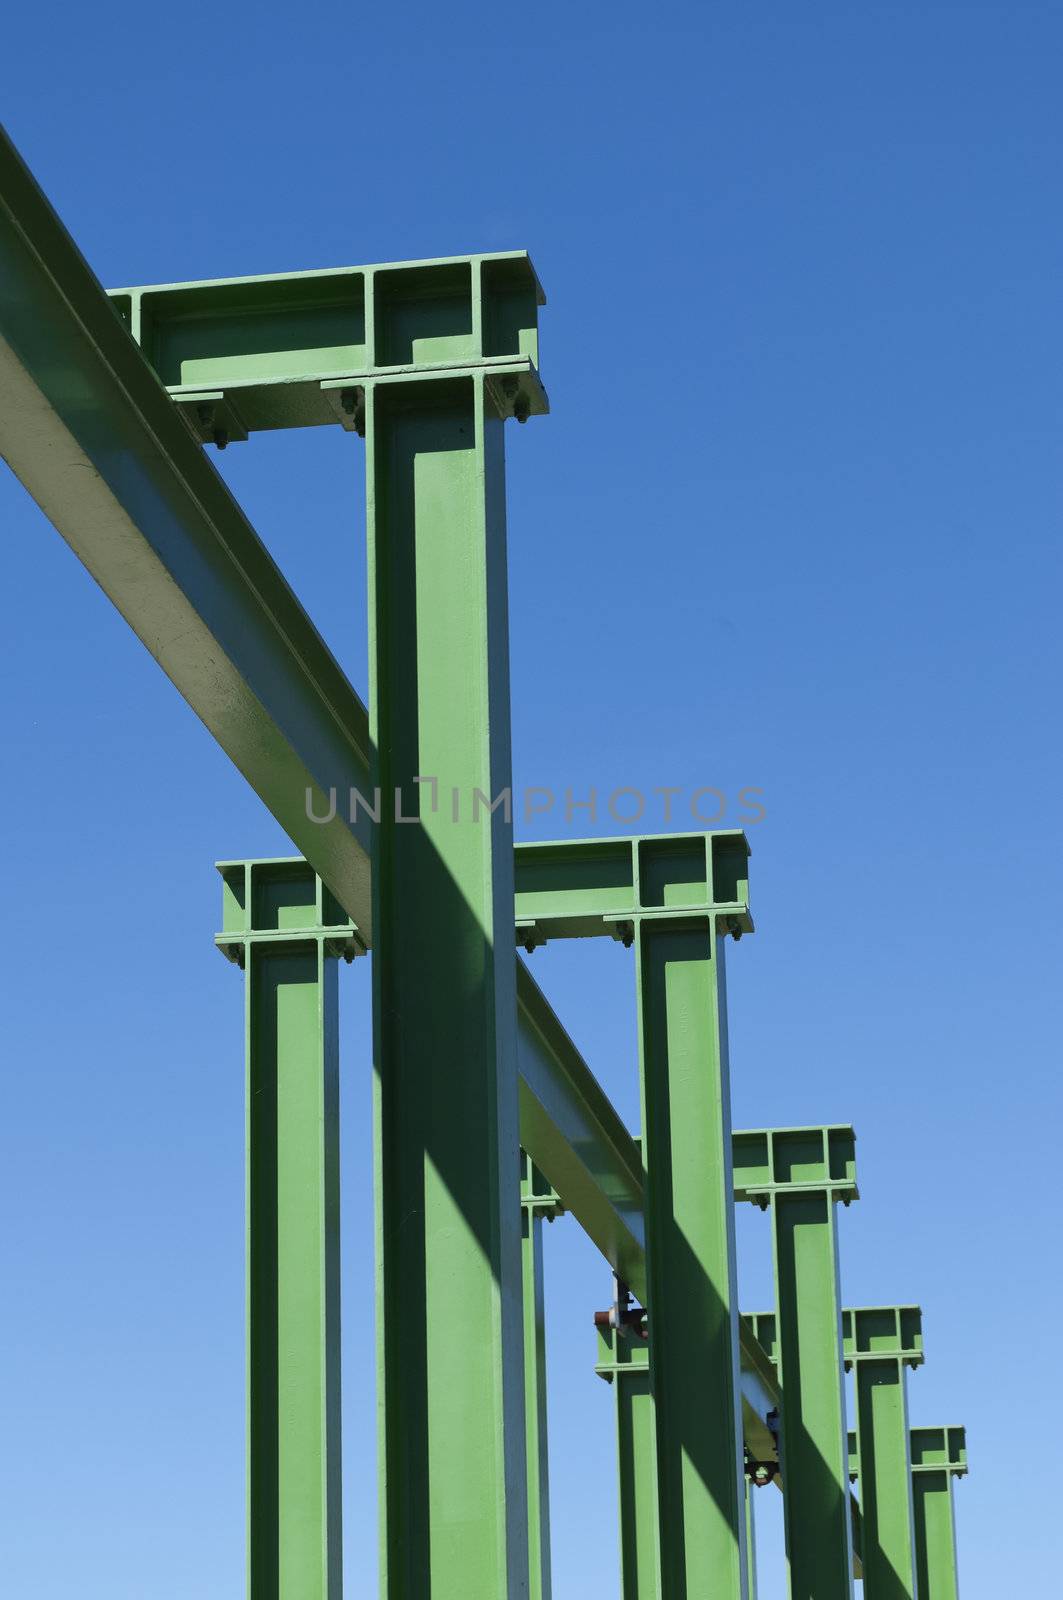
[(487, 1120), (798, 1174), (281, 925), (937, 1457), (880, 1344)]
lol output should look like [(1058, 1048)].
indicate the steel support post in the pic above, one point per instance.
[(451, 1380), (880, 1344), (539, 1203), (623, 1361), (690, 1258), (286, 931), (939, 1456), (751, 1542), (676, 898), (799, 1173)]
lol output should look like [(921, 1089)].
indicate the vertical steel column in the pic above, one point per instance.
[(751, 1542), (800, 1173), (623, 1361), (451, 1381), (538, 1202), (880, 1343), (285, 930), (939, 1456), (690, 1257)]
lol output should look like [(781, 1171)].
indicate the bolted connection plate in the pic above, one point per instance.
[(281, 901), (298, 349), (770, 1161), (590, 887), (883, 1333)]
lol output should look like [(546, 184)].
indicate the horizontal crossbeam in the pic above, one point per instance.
[(297, 349)]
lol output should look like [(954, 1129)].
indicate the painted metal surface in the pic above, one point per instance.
[(938, 1457), (623, 1361), (426, 359), (99, 444), (286, 932), (539, 1204), (690, 1257), (751, 1540), (881, 1343), (299, 349), (446, 1133), (587, 888), (799, 1174), (676, 898)]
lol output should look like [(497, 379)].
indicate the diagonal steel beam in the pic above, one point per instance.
[(103, 449), (105, 453)]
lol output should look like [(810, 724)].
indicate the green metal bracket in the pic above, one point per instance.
[(588, 888), (939, 1450), (880, 1344), (938, 1457), (277, 900), (539, 1203), (771, 1163), (932, 1450), (883, 1333), (800, 1174), (301, 349), (286, 932)]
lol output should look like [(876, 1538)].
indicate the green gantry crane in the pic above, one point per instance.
[(486, 1118)]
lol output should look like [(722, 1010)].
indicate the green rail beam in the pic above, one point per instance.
[(539, 1203), (800, 1174), (96, 440), (881, 1343), (286, 932)]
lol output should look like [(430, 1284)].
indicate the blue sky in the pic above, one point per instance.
[(792, 524)]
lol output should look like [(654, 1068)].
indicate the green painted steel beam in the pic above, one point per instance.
[(676, 898), (586, 888), (300, 349), (446, 1116), (881, 1343), (623, 1361), (92, 433), (103, 450), (799, 1174), (938, 1456), (285, 931), (539, 1203)]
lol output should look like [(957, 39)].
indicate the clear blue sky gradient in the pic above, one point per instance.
[(793, 523)]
